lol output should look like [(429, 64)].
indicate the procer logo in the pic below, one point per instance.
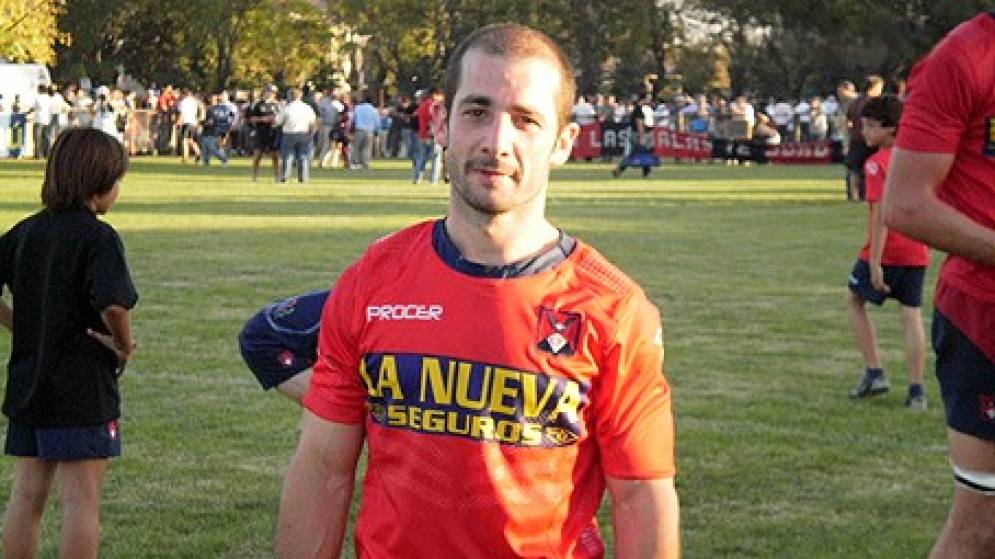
[(403, 312)]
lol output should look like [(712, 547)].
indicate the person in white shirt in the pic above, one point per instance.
[(583, 112), (189, 110), (298, 122), (60, 115), (783, 115), (819, 128), (42, 117)]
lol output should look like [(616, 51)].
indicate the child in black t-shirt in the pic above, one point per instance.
[(71, 330)]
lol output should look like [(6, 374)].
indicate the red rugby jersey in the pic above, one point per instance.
[(899, 250), (951, 109), (493, 408)]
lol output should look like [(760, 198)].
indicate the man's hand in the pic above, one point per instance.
[(877, 279), (122, 354)]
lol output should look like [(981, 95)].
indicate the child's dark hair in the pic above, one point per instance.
[(886, 109), (84, 163)]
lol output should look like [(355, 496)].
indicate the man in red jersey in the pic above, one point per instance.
[(502, 373), (941, 190)]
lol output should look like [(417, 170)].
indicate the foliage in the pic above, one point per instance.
[(28, 29), (208, 44)]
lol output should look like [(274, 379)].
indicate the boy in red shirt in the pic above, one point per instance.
[(890, 265)]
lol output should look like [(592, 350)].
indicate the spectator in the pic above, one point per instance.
[(217, 123), (803, 116), (426, 148), (298, 123), (41, 118), (189, 118), (264, 136), (819, 128), (366, 122), (583, 112), (328, 112), (859, 151)]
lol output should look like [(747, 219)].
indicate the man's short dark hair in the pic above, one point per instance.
[(84, 163), (886, 109), (514, 41)]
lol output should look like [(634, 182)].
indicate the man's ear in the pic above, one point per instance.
[(564, 143), (440, 124)]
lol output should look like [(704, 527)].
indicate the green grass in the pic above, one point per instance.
[(747, 264)]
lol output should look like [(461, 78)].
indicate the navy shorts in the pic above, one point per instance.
[(59, 444), (905, 282), (281, 340), (967, 380)]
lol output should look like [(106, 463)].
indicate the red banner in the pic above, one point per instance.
[(596, 140), (681, 145)]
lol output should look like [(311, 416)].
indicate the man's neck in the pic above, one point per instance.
[(500, 240)]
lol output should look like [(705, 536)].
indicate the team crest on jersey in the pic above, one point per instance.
[(988, 408), (989, 149), (559, 331)]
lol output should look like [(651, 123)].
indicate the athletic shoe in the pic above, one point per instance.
[(917, 402), (870, 386)]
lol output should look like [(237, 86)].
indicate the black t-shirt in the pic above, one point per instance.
[(262, 109), (410, 111), (63, 269)]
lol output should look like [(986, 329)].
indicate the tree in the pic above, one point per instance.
[(28, 30)]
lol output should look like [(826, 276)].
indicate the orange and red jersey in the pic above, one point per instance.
[(493, 408), (951, 109), (899, 250)]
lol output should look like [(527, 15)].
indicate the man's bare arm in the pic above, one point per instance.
[(911, 206), (317, 490), (118, 321), (646, 518)]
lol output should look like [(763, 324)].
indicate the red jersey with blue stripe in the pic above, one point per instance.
[(951, 109), (494, 408)]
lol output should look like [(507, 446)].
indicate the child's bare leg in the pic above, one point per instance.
[(80, 484), (863, 330), (22, 526), (915, 343)]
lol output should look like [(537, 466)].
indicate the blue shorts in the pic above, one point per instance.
[(967, 380), (59, 444), (281, 340), (905, 282)]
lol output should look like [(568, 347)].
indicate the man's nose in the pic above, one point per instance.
[(498, 140)]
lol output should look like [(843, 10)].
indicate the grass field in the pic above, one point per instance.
[(747, 264)]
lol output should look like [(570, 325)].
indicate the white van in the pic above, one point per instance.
[(23, 80)]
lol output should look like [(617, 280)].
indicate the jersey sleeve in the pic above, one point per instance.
[(940, 102), (336, 392), (635, 426), (108, 280), (874, 180)]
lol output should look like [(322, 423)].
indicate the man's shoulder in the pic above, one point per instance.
[(386, 250), (599, 275)]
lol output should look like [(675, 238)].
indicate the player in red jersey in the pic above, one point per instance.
[(941, 190), (502, 373), (890, 265)]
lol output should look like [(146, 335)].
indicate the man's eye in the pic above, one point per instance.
[(475, 113)]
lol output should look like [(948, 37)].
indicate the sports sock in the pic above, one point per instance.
[(916, 389), (874, 373)]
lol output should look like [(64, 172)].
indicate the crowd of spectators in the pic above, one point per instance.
[(349, 130)]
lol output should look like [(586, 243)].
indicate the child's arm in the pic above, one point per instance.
[(878, 232), (118, 321), (6, 316)]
